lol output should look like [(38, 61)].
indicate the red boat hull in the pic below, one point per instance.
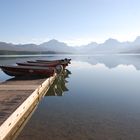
[(27, 71), (60, 61), (42, 64)]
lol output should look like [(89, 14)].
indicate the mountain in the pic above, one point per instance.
[(7, 46), (133, 47), (136, 41), (52, 46), (20, 47), (87, 48), (55, 46), (111, 42), (109, 45), (113, 46)]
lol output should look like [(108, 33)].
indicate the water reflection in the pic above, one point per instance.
[(111, 61), (3, 76), (14, 59), (59, 86), (102, 102)]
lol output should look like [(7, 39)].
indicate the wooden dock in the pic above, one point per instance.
[(18, 98)]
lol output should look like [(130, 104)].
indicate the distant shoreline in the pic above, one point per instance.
[(7, 52), (66, 54)]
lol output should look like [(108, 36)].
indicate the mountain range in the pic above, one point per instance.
[(55, 46)]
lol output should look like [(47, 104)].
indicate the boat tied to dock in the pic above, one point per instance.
[(36, 68)]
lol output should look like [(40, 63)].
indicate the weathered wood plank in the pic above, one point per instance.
[(18, 87), (16, 99)]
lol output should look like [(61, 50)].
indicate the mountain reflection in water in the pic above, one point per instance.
[(111, 60)]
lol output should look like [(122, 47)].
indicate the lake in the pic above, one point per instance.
[(99, 99)]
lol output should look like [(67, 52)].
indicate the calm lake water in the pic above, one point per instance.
[(98, 100)]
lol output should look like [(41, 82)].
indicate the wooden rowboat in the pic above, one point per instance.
[(28, 71), (42, 64), (60, 61), (49, 62)]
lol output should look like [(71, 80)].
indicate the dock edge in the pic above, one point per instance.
[(19, 113)]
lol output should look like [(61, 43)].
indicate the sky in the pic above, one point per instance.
[(75, 22)]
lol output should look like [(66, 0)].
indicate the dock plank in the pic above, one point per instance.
[(9, 101), (13, 93), (17, 97), (18, 87)]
